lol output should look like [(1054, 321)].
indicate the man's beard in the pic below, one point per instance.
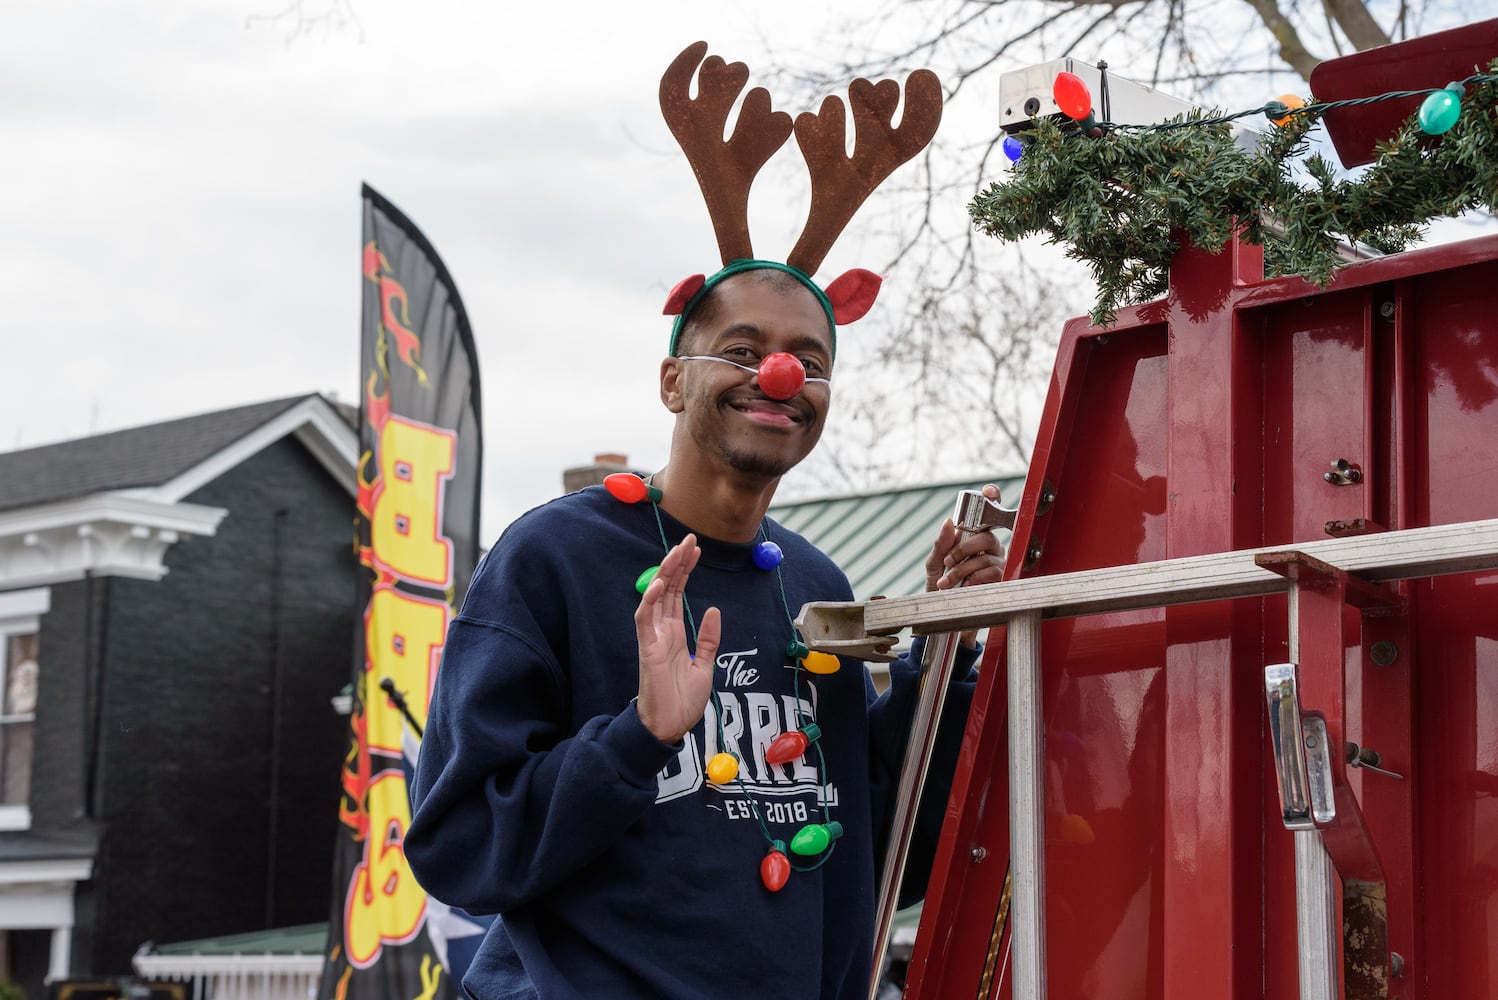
[(752, 464)]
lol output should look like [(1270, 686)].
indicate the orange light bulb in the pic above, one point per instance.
[(1291, 102)]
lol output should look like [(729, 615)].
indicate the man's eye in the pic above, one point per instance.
[(739, 353), (813, 367)]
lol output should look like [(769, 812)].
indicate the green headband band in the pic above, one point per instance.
[(748, 264)]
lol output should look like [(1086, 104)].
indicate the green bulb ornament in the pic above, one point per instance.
[(1440, 110), (814, 838)]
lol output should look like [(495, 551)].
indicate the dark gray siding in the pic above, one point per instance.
[(219, 748), (59, 761)]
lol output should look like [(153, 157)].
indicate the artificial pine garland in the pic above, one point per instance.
[(1124, 201)]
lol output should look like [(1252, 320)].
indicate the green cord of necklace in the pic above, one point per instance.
[(801, 721)]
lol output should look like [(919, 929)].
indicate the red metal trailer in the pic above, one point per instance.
[(1238, 720)]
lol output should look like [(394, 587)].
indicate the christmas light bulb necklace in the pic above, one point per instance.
[(814, 840)]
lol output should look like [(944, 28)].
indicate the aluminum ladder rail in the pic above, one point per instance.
[(849, 627), (974, 513)]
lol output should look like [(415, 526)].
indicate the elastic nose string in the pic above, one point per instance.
[(780, 375)]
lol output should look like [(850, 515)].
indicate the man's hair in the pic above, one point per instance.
[(705, 313)]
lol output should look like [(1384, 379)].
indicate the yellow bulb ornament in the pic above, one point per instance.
[(820, 663), (723, 768)]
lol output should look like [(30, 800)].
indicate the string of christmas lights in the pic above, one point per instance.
[(814, 841), (1126, 200), (1438, 112)]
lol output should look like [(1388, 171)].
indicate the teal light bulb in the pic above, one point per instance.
[(1439, 111)]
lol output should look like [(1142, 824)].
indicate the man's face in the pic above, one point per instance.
[(723, 410)]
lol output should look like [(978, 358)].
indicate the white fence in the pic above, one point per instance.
[(236, 977)]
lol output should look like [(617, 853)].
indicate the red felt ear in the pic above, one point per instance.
[(852, 295), (682, 294)]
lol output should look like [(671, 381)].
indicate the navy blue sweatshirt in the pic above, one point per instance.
[(618, 869)]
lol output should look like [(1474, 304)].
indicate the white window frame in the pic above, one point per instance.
[(20, 614)]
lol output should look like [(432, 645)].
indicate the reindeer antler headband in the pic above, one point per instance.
[(839, 183)]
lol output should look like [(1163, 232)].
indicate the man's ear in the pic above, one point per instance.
[(671, 393)]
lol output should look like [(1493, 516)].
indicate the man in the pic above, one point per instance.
[(568, 779)]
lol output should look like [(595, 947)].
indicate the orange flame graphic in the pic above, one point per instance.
[(393, 294), (358, 772)]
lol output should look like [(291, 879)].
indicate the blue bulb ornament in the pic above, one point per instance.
[(767, 555)]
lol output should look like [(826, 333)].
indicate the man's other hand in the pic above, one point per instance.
[(976, 559)]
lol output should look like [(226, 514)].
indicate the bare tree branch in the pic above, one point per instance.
[(1353, 17), (1292, 49), (953, 376), (301, 17)]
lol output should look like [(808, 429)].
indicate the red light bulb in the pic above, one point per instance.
[(781, 375), (629, 488), (788, 746), (775, 868), (1072, 96)]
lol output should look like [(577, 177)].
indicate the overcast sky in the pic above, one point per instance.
[(181, 222)]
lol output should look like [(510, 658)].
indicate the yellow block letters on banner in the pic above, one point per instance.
[(403, 638), (406, 524), (385, 905)]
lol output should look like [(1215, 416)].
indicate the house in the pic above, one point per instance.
[(176, 612)]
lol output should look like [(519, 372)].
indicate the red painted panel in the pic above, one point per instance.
[(1104, 706), (1206, 423), (1456, 636)]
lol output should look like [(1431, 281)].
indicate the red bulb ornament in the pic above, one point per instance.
[(629, 488), (781, 375), (788, 746), (775, 867), (1072, 96)]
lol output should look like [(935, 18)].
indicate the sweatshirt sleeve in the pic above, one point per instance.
[(506, 804), (891, 718)]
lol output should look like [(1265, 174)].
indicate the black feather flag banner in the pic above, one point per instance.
[(416, 532)]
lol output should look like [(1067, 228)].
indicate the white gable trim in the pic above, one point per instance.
[(39, 894), (108, 534), (22, 610), (315, 424), (127, 532), (45, 871)]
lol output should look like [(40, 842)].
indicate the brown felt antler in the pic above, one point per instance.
[(724, 170), (840, 183)]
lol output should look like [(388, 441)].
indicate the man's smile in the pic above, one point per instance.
[(768, 411)]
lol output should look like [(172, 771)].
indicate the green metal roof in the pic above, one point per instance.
[(881, 540), (306, 939)]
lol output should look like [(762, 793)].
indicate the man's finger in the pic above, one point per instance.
[(709, 631)]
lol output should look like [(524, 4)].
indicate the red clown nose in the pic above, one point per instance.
[(781, 375)]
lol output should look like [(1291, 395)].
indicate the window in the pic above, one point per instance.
[(17, 717), (21, 614)]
